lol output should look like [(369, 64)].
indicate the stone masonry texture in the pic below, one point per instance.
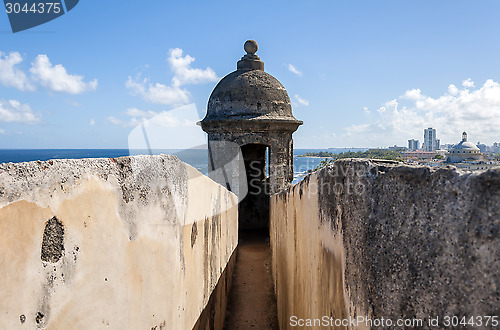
[(382, 239)]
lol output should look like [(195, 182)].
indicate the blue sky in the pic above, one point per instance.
[(359, 73)]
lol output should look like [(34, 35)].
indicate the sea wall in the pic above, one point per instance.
[(391, 243), (143, 242)]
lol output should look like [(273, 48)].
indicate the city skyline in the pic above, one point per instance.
[(353, 77), (414, 144)]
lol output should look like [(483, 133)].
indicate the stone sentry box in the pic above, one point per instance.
[(249, 115)]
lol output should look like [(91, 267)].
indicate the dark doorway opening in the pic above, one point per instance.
[(254, 208)]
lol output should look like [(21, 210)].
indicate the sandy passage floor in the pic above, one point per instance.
[(252, 303)]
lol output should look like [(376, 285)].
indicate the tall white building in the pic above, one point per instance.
[(430, 141)]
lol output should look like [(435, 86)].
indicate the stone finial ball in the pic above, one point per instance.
[(251, 46)]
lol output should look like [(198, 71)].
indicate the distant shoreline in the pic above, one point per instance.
[(303, 156)]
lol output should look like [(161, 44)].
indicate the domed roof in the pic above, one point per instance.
[(465, 145), (249, 94)]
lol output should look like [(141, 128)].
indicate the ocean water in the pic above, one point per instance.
[(195, 157)]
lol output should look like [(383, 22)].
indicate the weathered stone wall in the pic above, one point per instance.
[(141, 242), (382, 240)]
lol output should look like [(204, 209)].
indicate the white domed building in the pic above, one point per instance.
[(465, 151)]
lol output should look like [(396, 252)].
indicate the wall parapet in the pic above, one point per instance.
[(376, 240), (139, 242)]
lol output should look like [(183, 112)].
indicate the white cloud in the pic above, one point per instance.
[(366, 110), (92, 122), (157, 93), (172, 129), (12, 111), (468, 83), (134, 112), (476, 111), (132, 122), (115, 121), (452, 89), (10, 75), (294, 70), (56, 78), (183, 74), (2, 131), (412, 94), (164, 118), (300, 100)]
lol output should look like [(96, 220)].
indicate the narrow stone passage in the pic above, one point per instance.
[(252, 303)]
